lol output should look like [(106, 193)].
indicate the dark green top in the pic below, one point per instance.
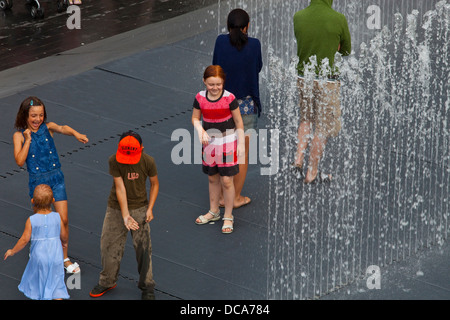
[(134, 178), (319, 31)]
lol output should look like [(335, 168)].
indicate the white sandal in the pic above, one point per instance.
[(228, 227), (203, 220), (72, 267)]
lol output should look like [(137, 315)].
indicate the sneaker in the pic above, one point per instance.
[(99, 290)]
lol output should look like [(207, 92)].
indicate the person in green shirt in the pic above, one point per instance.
[(320, 32), (128, 209)]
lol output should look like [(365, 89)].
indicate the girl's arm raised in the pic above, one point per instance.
[(68, 131), (21, 146), (22, 242)]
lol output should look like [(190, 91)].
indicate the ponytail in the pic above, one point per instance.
[(238, 19)]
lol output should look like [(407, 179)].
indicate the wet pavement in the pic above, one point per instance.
[(24, 39)]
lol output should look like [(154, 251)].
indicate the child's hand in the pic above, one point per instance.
[(149, 215), (82, 138), (204, 137), (8, 253), (27, 134), (130, 223)]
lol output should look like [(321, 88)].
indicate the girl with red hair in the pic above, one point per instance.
[(223, 143)]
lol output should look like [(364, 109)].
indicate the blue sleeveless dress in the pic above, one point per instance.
[(43, 278), (43, 164)]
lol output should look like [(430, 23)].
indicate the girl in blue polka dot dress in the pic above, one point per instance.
[(34, 145)]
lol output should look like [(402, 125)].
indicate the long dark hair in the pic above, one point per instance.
[(237, 20), (24, 110)]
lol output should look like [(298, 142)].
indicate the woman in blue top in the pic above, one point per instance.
[(34, 145), (240, 57)]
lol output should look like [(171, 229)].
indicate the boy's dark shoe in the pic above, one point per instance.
[(99, 290)]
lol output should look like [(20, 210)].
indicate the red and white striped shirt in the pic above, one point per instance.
[(217, 114)]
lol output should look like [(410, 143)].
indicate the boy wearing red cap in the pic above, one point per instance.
[(128, 209)]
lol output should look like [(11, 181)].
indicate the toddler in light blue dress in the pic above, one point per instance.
[(43, 278)]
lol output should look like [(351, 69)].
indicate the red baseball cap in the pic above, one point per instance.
[(130, 148)]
